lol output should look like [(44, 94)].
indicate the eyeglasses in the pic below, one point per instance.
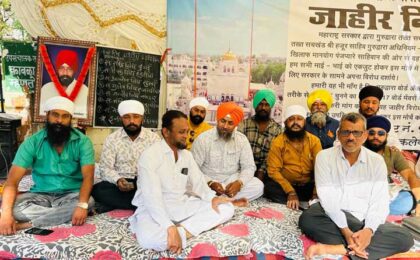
[(355, 133), (380, 132)]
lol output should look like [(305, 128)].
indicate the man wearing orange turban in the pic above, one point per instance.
[(66, 66), (319, 123), (225, 156)]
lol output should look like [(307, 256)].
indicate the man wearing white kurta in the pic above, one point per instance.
[(352, 187), (225, 156), (173, 201)]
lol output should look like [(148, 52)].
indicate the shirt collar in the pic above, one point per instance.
[(362, 155), (165, 146)]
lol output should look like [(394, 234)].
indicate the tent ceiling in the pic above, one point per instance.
[(133, 24)]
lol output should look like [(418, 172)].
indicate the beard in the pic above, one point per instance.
[(319, 119), (132, 129), (375, 147), (65, 80), (180, 145), (294, 135), (262, 115), (57, 134), (197, 119), (224, 134)]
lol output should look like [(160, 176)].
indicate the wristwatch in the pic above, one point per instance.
[(83, 205)]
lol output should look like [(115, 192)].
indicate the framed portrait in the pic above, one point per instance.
[(66, 68)]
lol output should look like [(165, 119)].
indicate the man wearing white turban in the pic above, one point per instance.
[(196, 124), (62, 162), (291, 160), (120, 153)]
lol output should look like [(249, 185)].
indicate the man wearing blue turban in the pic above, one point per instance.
[(261, 129)]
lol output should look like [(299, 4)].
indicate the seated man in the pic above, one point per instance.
[(198, 110), (319, 123), (120, 154), (62, 162), (224, 155), (173, 201), (402, 201), (261, 129), (352, 187), (291, 162), (369, 103)]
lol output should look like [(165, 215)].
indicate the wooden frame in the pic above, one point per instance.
[(46, 66)]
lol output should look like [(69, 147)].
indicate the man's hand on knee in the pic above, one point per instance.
[(292, 200), (362, 240), (79, 216), (7, 225), (174, 240)]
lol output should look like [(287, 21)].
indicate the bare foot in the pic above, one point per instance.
[(23, 225), (323, 249), (242, 202)]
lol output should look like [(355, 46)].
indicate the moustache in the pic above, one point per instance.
[(296, 125)]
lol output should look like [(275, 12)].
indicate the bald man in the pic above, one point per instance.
[(225, 157)]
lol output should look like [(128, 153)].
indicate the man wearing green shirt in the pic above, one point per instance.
[(62, 163)]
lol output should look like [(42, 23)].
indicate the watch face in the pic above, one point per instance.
[(83, 205)]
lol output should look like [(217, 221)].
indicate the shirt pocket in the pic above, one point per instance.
[(232, 159), (181, 181)]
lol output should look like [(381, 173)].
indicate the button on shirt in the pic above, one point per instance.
[(360, 189), (120, 154), (166, 185), (52, 172), (194, 131), (288, 166), (218, 159)]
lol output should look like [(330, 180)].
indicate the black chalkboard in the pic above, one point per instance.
[(122, 75)]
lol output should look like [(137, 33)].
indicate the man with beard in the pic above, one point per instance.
[(352, 186), (198, 109), (224, 155), (261, 129), (402, 201), (62, 162), (66, 65), (290, 162), (369, 102), (319, 123), (120, 153), (173, 201)]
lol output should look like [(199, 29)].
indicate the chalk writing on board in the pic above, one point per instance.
[(123, 75)]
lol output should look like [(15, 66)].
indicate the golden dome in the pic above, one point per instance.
[(229, 56)]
